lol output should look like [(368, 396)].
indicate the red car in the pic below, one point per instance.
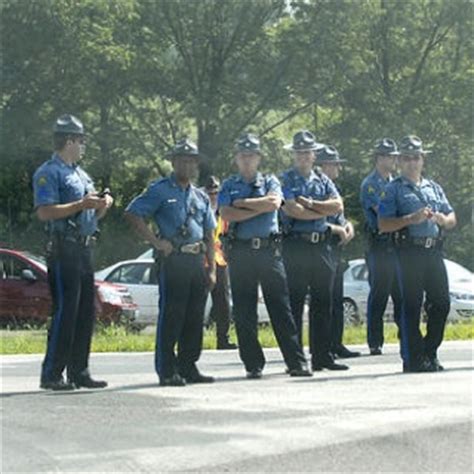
[(25, 296)]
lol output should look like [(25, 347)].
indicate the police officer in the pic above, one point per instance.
[(220, 311), (65, 198), (250, 201), (342, 232), (185, 223), (416, 209), (380, 254), (310, 197)]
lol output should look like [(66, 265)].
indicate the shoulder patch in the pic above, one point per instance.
[(42, 180)]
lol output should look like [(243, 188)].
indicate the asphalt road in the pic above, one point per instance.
[(372, 418)]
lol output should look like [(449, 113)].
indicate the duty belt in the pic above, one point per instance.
[(256, 243), (193, 249), (312, 237), (425, 242), (84, 240)]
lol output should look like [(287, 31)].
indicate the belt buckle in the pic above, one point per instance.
[(429, 242), (190, 248), (315, 237), (256, 243)]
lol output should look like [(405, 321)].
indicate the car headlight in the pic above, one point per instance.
[(109, 295), (455, 295)]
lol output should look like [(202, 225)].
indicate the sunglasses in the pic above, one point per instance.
[(407, 159)]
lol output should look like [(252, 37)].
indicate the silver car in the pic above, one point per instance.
[(356, 292)]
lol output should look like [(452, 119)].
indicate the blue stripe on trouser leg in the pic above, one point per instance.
[(56, 324), (370, 265), (159, 327), (404, 346)]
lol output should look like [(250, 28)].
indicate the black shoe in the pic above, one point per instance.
[(327, 363), (342, 352), (302, 371), (86, 381), (254, 374), (375, 351), (434, 361), (174, 381), (56, 385), (226, 345), (423, 365), (197, 377)]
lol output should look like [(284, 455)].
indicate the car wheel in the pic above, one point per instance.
[(351, 312)]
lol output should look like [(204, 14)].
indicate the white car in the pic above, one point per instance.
[(140, 279), (356, 291)]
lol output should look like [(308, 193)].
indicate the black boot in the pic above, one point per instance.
[(225, 344), (327, 362), (56, 385), (342, 352), (86, 381)]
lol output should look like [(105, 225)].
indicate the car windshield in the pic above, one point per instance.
[(147, 254), (41, 261)]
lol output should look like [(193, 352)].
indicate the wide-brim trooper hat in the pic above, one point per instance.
[(328, 154), (185, 147), (412, 145), (248, 143), (212, 183), (386, 147), (304, 141), (68, 125)]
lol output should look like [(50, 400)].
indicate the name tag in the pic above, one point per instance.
[(234, 192), (172, 200)]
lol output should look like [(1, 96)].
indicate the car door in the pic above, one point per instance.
[(140, 279), (22, 299), (356, 286)]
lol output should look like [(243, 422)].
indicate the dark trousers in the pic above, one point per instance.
[(310, 268), (247, 269), (71, 282), (182, 297), (220, 311), (381, 263), (337, 316), (422, 271)]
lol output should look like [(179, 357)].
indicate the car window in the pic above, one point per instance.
[(11, 267), (134, 274), (360, 272)]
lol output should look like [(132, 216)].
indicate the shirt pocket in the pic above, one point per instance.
[(71, 188), (410, 202), (317, 192), (199, 210)]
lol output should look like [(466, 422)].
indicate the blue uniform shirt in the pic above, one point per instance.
[(403, 197), (182, 216), (372, 190), (317, 186), (236, 187), (56, 182)]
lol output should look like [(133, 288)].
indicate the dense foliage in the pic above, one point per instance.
[(142, 73)]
